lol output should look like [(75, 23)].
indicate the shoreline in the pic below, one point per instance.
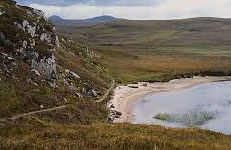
[(125, 97)]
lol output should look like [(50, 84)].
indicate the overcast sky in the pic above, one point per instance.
[(133, 9)]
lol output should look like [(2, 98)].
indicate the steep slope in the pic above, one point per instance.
[(51, 94), (37, 71), (26, 33)]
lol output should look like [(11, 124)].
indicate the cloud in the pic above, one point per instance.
[(166, 9), (63, 3)]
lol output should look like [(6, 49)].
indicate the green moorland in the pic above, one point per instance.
[(128, 51), (35, 133), (83, 125), (159, 50)]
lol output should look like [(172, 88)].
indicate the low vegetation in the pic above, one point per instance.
[(128, 51), (192, 118), (43, 135), (159, 50)]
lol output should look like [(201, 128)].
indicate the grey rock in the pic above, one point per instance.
[(45, 66), (90, 92), (79, 95), (2, 36), (30, 81), (1, 12), (114, 114), (52, 84), (74, 74), (36, 72), (7, 63), (72, 88), (94, 93), (45, 37), (112, 106)]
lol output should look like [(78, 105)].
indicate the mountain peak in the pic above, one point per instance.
[(57, 20), (103, 18), (55, 17)]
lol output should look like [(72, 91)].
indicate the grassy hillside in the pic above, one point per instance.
[(156, 50), (61, 109), (106, 136), (22, 91), (74, 78)]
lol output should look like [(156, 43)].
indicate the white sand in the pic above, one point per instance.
[(126, 97)]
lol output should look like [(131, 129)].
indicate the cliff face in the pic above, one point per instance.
[(25, 33)]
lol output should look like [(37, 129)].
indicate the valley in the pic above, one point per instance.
[(57, 78), (158, 50)]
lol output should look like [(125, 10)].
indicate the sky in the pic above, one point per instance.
[(133, 9)]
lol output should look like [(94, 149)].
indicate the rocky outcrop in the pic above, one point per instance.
[(1, 12), (28, 46), (7, 63), (114, 115), (27, 34)]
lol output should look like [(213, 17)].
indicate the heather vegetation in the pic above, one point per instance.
[(159, 50), (50, 89)]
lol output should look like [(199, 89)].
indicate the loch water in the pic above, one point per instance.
[(207, 106)]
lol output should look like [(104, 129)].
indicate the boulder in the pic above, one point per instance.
[(36, 72), (52, 84), (74, 75), (91, 93), (112, 106)]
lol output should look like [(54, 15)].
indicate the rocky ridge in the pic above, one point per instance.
[(30, 36), (37, 71)]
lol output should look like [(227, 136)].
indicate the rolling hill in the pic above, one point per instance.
[(155, 50), (90, 21), (54, 87)]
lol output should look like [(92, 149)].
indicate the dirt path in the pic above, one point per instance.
[(107, 92), (32, 113), (59, 107)]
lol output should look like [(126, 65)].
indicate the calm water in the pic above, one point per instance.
[(206, 106)]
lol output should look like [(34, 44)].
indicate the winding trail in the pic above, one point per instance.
[(33, 112), (59, 107), (107, 92)]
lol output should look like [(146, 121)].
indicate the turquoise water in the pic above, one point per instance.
[(206, 106)]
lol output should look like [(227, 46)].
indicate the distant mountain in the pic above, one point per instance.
[(104, 18), (55, 18), (58, 21)]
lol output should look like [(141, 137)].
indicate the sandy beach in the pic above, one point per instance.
[(125, 97)]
